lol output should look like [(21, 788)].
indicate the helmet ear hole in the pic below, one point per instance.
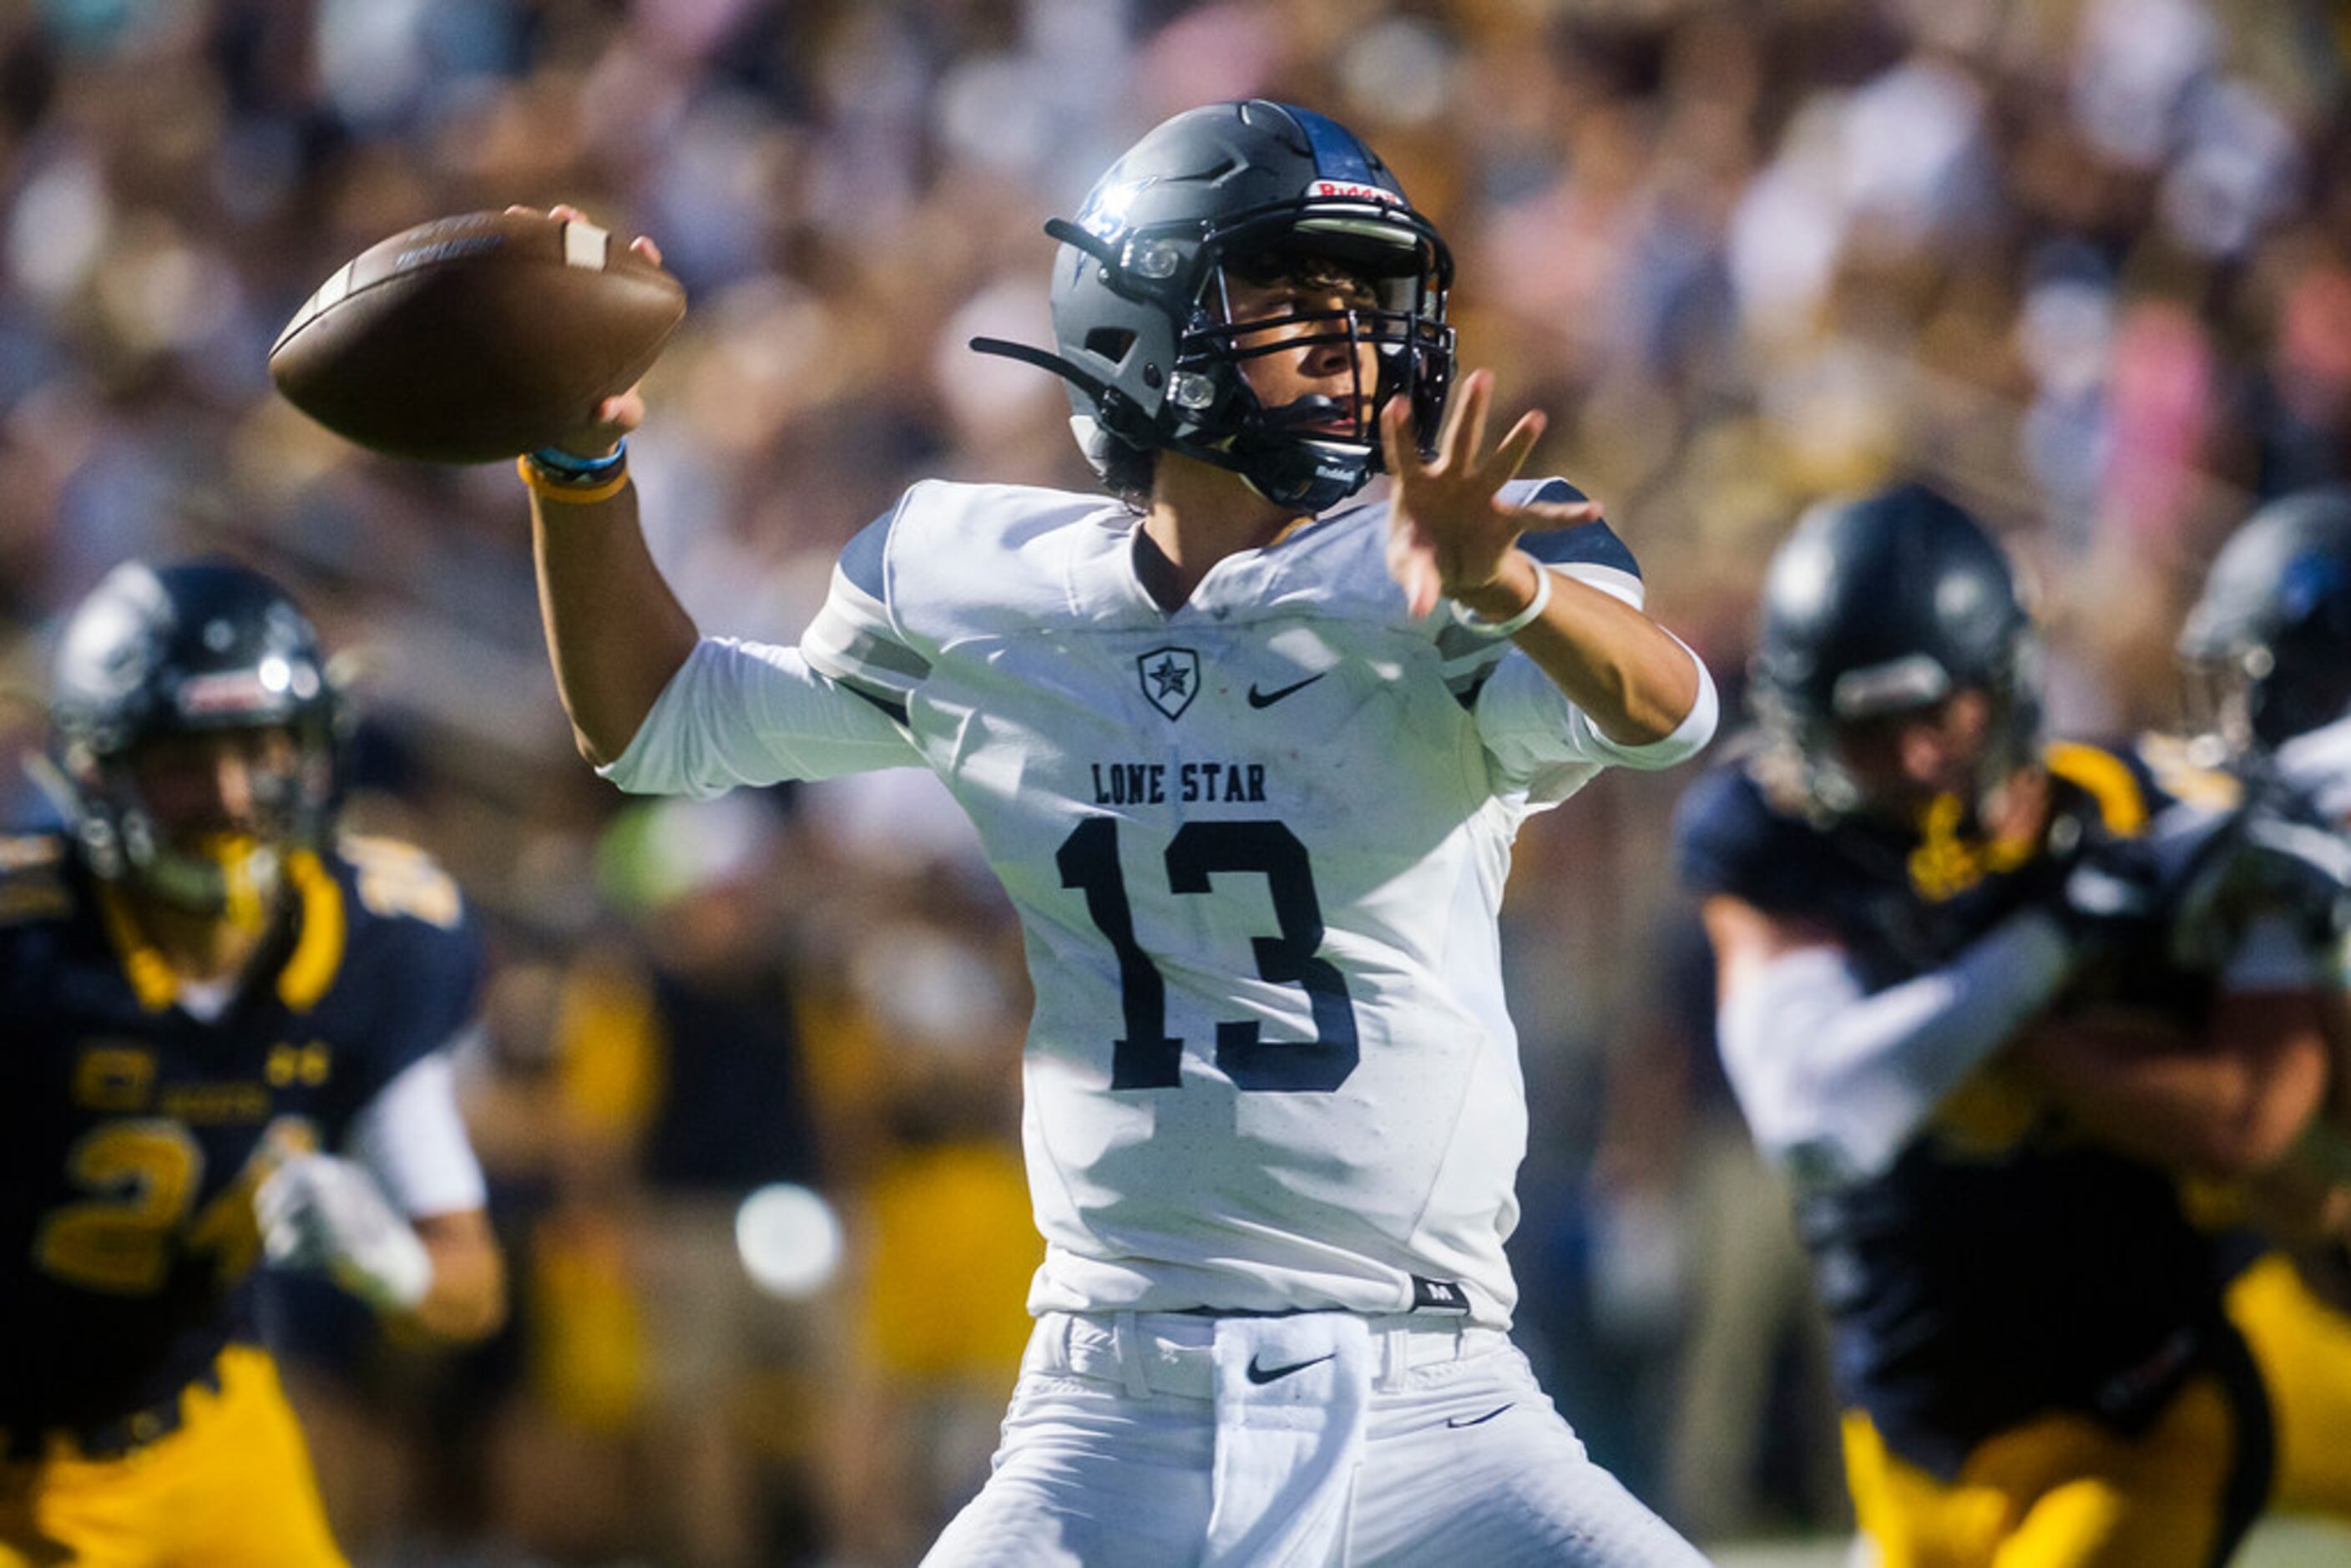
[(1110, 342)]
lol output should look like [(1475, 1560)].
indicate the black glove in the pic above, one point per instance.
[(2299, 868), (2150, 899)]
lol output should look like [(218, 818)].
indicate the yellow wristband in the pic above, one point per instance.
[(570, 495)]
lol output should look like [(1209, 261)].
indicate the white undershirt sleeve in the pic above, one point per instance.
[(740, 713), (1834, 1081), (411, 1138)]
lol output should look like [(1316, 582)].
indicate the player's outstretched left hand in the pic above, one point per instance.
[(1449, 535), (317, 1212)]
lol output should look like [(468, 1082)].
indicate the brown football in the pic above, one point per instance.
[(477, 337)]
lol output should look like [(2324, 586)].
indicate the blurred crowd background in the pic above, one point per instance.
[(2084, 263)]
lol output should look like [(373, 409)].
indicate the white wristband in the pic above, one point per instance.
[(1516, 624)]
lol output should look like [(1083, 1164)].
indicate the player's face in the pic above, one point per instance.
[(1324, 363), (222, 782), (1904, 761)]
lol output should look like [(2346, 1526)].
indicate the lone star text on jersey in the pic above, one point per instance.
[(1147, 783)]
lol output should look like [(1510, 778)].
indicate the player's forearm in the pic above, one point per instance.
[(468, 1297), (1634, 680), (615, 632), (1835, 1080), (2230, 1101)]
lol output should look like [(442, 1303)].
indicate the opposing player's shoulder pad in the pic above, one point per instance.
[(395, 879), (33, 885), (1727, 838), (415, 956), (2177, 767)]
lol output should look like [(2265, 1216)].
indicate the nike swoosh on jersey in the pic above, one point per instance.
[(1457, 1421), (1275, 1374), (1267, 699)]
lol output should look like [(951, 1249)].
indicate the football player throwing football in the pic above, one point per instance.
[(1247, 748)]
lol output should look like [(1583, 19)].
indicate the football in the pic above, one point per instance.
[(475, 338)]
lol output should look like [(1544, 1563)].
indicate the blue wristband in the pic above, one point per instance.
[(560, 468)]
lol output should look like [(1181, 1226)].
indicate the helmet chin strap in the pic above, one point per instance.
[(1312, 476), (234, 876)]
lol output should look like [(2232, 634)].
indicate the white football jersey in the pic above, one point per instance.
[(1258, 846)]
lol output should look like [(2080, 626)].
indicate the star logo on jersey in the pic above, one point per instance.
[(1171, 679)]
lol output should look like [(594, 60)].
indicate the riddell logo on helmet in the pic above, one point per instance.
[(1347, 190), (231, 691)]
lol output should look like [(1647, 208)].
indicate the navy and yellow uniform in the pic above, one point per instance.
[(2266, 650), (2029, 1333), (138, 1419), (2300, 1333)]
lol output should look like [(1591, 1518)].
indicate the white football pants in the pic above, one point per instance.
[(1318, 1440)]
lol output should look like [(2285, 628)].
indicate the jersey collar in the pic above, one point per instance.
[(309, 969)]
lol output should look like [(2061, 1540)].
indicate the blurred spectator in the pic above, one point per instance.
[(1749, 1372), (683, 1091)]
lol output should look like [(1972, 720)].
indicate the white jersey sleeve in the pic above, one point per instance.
[(854, 639), (740, 713)]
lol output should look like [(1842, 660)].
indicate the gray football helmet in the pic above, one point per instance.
[(1141, 330)]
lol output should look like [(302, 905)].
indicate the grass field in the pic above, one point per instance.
[(2278, 1544)]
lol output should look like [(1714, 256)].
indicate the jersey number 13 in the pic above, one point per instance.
[(1147, 1057)]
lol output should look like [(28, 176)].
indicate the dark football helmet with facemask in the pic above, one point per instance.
[(1142, 330), (1884, 605), (2267, 648), (155, 652)]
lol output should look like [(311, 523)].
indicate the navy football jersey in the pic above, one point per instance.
[(2002, 1267), (132, 1135)]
